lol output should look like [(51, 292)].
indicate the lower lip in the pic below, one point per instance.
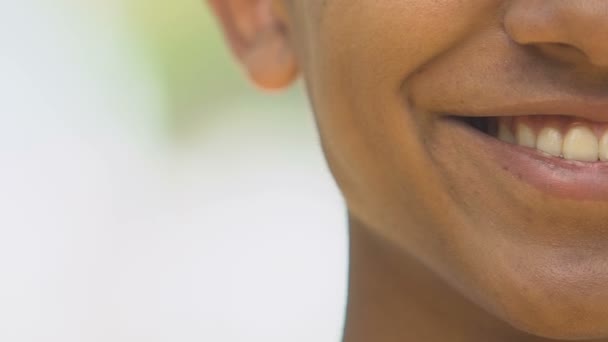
[(554, 176)]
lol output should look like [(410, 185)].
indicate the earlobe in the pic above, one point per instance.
[(270, 61), (258, 37)]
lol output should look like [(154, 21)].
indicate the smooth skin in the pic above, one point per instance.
[(445, 246)]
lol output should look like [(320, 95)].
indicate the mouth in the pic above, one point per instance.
[(563, 137), (563, 156)]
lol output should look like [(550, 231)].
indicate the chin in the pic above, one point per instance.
[(559, 293)]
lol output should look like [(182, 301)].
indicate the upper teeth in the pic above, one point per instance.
[(550, 140), (580, 143), (577, 142)]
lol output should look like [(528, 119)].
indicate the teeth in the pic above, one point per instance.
[(604, 147), (504, 133), (581, 144), (525, 135), (550, 141)]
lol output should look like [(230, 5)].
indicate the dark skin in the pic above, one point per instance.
[(446, 243)]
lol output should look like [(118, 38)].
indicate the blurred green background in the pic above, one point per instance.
[(183, 42)]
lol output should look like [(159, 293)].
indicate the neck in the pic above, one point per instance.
[(393, 298)]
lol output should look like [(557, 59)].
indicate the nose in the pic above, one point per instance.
[(570, 30)]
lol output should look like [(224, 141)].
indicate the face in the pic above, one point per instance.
[(470, 134)]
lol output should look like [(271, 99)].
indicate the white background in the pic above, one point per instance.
[(111, 231)]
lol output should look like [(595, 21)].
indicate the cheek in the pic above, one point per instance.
[(358, 60), (358, 57)]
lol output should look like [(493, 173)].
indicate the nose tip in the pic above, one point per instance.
[(568, 29)]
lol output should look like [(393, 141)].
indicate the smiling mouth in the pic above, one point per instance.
[(561, 156), (555, 136)]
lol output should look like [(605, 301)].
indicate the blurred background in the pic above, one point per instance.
[(148, 192)]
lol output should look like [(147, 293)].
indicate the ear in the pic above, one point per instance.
[(257, 33)]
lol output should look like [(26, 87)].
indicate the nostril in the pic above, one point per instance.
[(565, 31), (562, 52)]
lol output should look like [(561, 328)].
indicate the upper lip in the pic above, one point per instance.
[(587, 108)]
